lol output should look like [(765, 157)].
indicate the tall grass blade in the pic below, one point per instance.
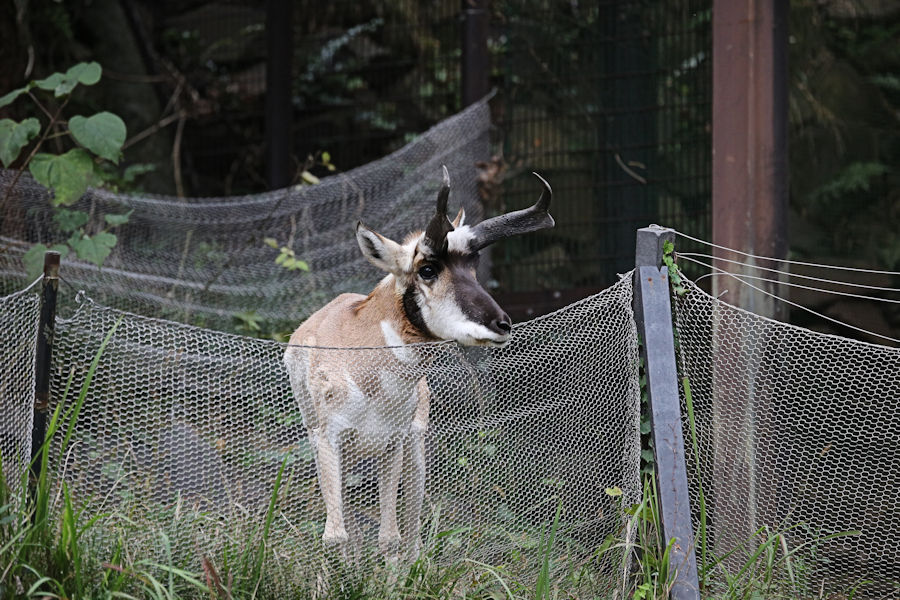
[(701, 498)]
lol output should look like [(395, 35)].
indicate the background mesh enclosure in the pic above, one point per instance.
[(183, 432), (795, 429), (203, 260), (18, 322)]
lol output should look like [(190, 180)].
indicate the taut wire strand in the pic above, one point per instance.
[(796, 285), (717, 271), (784, 260), (790, 274)]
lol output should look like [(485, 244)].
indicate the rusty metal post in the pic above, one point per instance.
[(750, 199), (43, 356), (749, 137), (476, 64)]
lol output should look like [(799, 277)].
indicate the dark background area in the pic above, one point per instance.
[(609, 100)]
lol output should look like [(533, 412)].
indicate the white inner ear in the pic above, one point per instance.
[(460, 218), (384, 253)]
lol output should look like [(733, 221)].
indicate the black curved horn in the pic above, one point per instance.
[(440, 225), (526, 220)]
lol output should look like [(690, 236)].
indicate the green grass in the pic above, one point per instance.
[(56, 545), (72, 552)]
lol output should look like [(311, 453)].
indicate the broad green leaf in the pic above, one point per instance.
[(61, 248), (302, 265), (309, 178), (85, 73), (62, 84), (70, 220), (50, 83), (95, 249), (271, 242), (15, 136), (614, 491), (68, 175), (34, 261), (11, 96), (103, 134), (116, 220)]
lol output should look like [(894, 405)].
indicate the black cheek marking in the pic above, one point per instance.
[(413, 312)]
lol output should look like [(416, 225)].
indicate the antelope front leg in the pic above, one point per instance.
[(414, 473), (328, 459), (413, 491), (390, 464)]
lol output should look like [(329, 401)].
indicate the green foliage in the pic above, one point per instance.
[(96, 138), (62, 84), (68, 175), (15, 136), (286, 256), (103, 134), (674, 274), (844, 133)]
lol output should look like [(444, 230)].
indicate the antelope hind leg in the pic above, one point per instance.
[(328, 459), (390, 464)]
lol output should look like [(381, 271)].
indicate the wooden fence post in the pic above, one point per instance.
[(653, 315)]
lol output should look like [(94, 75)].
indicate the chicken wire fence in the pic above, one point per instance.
[(18, 345), (797, 432), (183, 432), (205, 260)]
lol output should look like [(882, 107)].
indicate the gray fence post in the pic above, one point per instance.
[(653, 314), (43, 355)]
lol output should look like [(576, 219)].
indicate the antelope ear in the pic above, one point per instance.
[(384, 253), (460, 218)]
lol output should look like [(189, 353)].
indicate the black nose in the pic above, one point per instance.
[(502, 324)]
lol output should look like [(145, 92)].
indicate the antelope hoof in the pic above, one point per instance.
[(334, 536), (389, 542)]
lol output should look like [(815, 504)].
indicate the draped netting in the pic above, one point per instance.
[(204, 260)]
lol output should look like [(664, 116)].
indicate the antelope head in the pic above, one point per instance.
[(433, 271)]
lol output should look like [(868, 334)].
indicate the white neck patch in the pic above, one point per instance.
[(398, 348)]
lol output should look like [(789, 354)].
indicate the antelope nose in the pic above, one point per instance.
[(502, 324)]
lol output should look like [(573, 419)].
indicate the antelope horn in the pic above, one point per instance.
[(520, 221), (440, 225)]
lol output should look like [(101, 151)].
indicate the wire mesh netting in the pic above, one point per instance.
[(797, 433), (18, 322), (183, 431), (204, 260)]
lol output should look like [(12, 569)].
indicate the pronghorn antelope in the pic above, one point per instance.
[(380, 400)]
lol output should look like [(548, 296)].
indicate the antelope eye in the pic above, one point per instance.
[(427, 272)]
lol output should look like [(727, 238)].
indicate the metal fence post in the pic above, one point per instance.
[(476, 68), (279, 110), (43, 355), (653, 314)]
